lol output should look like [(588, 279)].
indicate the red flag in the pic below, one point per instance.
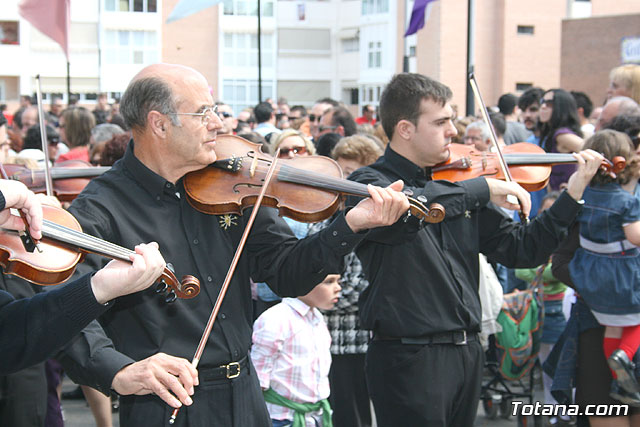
[(52, 18)]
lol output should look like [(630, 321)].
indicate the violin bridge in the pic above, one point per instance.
[(252, 169)]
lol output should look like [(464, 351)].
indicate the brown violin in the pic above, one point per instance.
[(529, 164), (69, 178), (63, 246), (307, 189)]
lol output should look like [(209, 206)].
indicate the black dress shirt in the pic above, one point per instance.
[(424, 279), (34, 327), (131, 204)]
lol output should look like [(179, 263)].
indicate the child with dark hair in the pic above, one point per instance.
[(606, 267)]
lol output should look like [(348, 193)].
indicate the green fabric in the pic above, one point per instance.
[(519, 342), (301, 409), (552, 286)]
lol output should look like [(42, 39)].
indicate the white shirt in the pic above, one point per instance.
[(291, 354)]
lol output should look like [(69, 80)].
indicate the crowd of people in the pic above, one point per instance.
[(369, 307)]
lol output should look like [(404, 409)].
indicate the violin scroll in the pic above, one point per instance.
[(614, 166), (433, 214), (187, 288)]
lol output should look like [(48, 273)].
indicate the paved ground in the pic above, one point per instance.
[(78, 414)]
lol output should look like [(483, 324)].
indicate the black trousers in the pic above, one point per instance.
[(424, 385), (221, 403), (23, 398), (349, 393)]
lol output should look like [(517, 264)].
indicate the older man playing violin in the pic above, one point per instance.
[(171, 112)]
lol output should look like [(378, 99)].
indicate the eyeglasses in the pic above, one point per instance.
[(473, 138), (225, 114), (54, 140), (205, 116), (323, 128), (284, 152), (547, 102)]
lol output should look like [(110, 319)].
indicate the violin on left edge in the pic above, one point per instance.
[(63, 246), (69, 178)]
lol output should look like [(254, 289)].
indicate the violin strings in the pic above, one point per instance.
[(315, 179), (85, 241), (91, 241), (539, 159)]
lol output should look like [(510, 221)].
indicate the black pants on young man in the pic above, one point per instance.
[(424, 385)]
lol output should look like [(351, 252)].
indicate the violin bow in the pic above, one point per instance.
[(494, 140), (43, 138), (232, 268)]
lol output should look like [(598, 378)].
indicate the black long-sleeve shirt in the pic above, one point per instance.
[(131, 204), (34, 327), (424, 280)]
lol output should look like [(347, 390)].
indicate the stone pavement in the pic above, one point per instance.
[(78, 414)]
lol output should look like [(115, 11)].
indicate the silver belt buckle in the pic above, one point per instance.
[(231, 375), (464, 339)]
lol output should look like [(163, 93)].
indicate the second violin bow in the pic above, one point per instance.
[(232, 268), (494, 139)]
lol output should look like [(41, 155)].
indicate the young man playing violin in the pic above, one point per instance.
[(33, 329), (424, 364), (174, 125)]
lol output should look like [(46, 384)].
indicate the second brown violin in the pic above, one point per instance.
[(529, 164), (63, 246), (69, 178), (307, 189)]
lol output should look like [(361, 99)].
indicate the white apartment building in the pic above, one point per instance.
[(344, 49)]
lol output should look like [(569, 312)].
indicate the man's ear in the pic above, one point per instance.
[(340, 130), (157, 122), (405, 129)]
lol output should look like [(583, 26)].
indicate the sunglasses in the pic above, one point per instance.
[(284, 152), (313, 117), (225, 114), (548, 102), (53, 140)]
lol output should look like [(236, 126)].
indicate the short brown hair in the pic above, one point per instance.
[(360, 148), (611, 143), (78, 122)]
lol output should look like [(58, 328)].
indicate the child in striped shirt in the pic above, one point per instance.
[(291, 355)]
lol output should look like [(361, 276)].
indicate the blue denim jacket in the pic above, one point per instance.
[(606, 210)]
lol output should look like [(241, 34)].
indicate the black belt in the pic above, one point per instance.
[(229, 371), (454, 337)]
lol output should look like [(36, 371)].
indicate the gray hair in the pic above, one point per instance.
[(105, 131), (626, 105), (143, 96), (484, 129)]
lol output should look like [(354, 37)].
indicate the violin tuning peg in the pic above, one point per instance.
[(161, 287), (422, 199), (170, 267), (171, 297)]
